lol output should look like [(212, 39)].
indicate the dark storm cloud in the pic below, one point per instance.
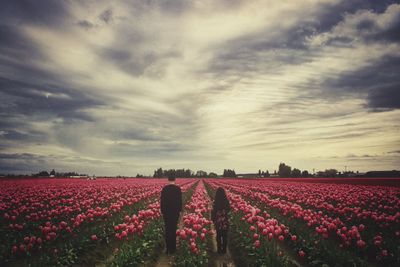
[(391, 33), (46, 100), (25, 156), (48, 47), (168, 6), (258, 52), (379, 81), (46, 12), (20, 162), (251, 57), (85, 24), (178, 7), (106, 15), (150, 150), (30, 91), (14, 45), (385, 98), (138, 134), (129, 51), (130, 62), (331, 14), (136, 62), (29, 163), (368, 26), (14, 135)]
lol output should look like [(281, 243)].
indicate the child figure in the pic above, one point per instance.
[(220, 217)]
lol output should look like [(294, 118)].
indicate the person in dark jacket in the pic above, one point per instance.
[(171, 206), (220, 217)]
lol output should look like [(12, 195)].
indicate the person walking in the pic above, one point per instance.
[(171, 206), (220, 218)]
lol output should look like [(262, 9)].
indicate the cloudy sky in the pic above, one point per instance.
[(124, 87)]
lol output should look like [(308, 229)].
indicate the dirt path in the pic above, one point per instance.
[(168, 260), (216, 259), (165, 260)]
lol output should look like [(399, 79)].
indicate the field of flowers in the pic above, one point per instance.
[(117, 222)]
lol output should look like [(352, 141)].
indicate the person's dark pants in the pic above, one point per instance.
[(170, 233), (222, 240)]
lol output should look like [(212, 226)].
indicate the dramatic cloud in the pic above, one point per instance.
[(128, 86), (379, 81)]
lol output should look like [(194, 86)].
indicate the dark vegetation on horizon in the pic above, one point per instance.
[(284, 171)]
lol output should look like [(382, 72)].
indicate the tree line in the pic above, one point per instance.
[(286, 171), (182, 173)]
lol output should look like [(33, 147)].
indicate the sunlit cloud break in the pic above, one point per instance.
[(125, 87)]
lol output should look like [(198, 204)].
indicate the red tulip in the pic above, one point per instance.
[(360, 244)]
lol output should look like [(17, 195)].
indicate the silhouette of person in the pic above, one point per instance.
[(171, 206), (220, 217)]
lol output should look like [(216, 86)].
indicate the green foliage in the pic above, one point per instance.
[(246, 254), (319, 251), (141, 248), (284, 170), (229, 173), (186, 258), (296, 173), (172, 172)]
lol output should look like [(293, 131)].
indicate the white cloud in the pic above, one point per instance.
[(207, 86)]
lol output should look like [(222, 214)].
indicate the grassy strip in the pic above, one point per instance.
[(138, 251)]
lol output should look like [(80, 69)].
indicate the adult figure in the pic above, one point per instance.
[(220, 217), (171, 206)]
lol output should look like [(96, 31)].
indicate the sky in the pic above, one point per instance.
[(125, 87)]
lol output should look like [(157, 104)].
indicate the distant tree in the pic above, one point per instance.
[(158, 173), (212, 175), (170, 172), (188, 173), (331, 173), (43, 174), (229, 173), (53, 172), (260, 174), (267, 174), (284, 170), (233, 173), (305, 174), (180, 173), (139, 175), (296, 173), (201, 173)]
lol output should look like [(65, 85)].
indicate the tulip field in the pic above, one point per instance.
[(273, 222)]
